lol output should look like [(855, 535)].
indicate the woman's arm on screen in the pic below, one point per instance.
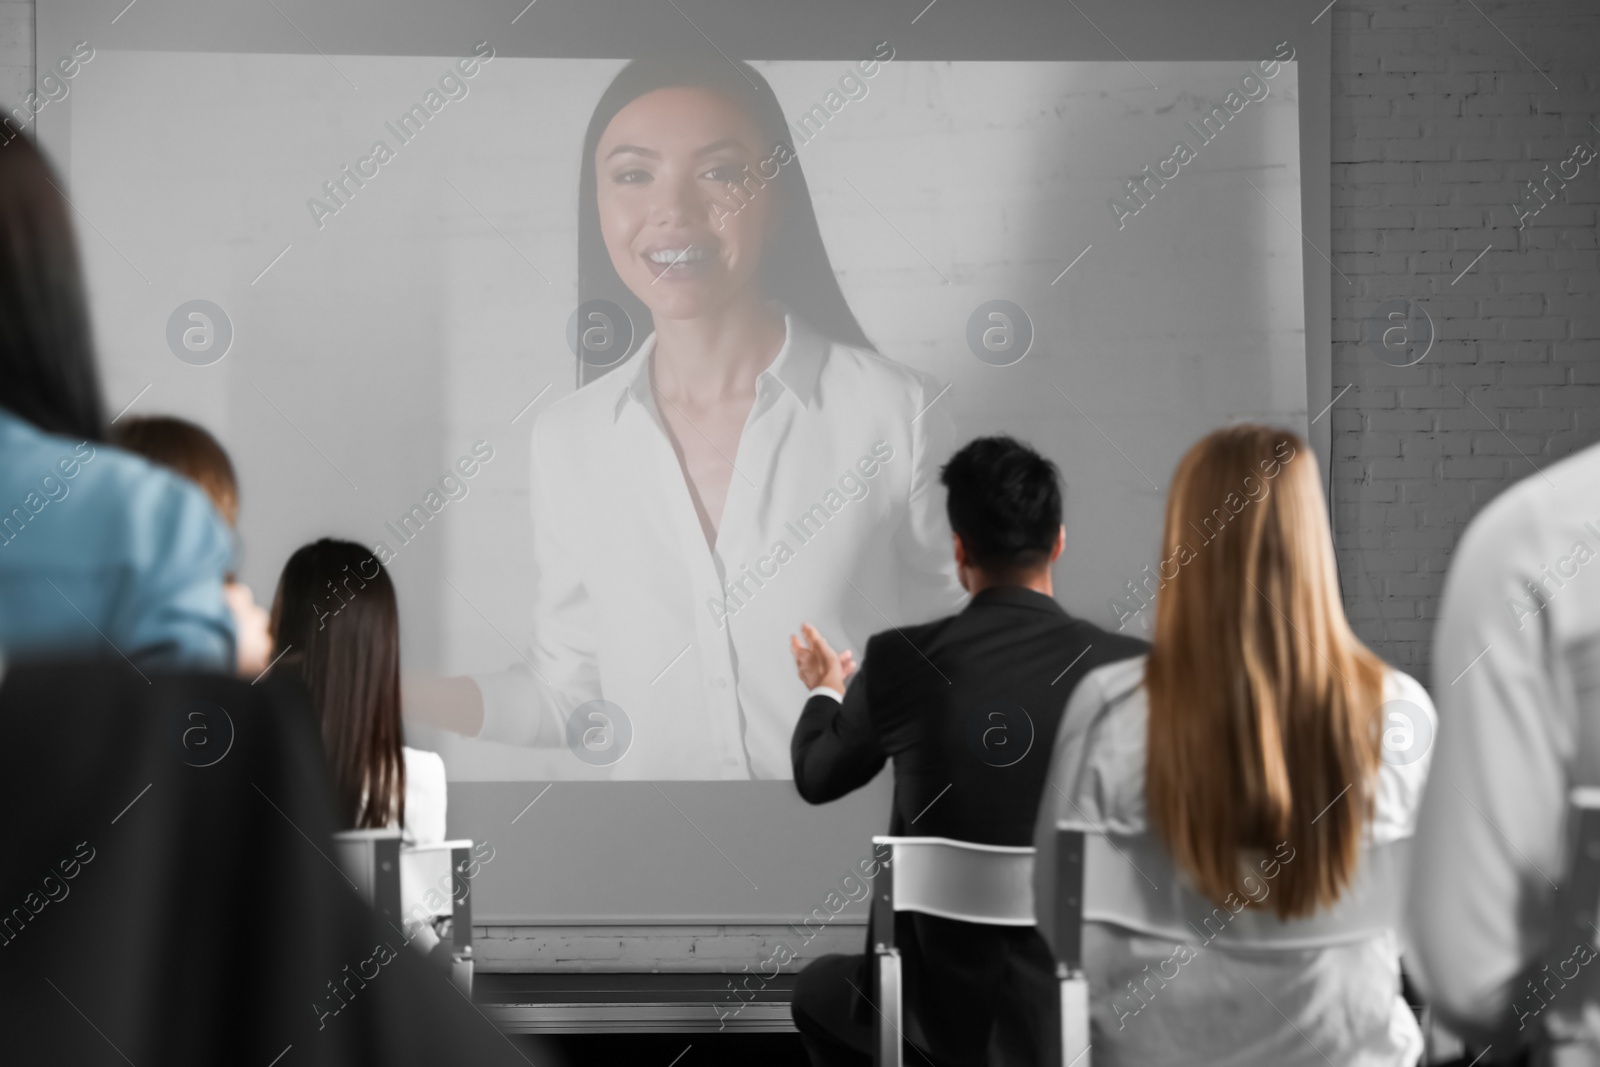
[(454, 704)]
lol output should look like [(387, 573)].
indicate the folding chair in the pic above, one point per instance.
[(374, 861), (990, 884), (1074, 984), (1128, 881)]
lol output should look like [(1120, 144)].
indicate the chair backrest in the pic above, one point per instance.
[(435, 871), (990, 884), (1129, 881), (371, 859), (398, 880), (974, 883)]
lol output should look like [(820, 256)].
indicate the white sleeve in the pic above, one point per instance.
[(1410, 726), (528, 703), (1060, 784), (1488, 842), (923, 543)]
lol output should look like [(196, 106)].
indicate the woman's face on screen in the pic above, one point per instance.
[(666, 169)]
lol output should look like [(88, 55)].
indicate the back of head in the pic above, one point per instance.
[(1263, 704), (46, 348), (1004, 502), (182, 446), (336, 625)]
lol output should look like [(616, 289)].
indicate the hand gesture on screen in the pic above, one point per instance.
[(817, 663)]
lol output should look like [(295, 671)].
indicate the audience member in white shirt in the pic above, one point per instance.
[(1516, 665), (1263, 766), (754, 464)]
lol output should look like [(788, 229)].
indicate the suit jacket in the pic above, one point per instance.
[(967, 707)]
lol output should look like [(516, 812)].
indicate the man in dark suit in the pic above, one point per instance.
[(967, 707)]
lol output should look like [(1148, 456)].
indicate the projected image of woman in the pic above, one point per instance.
[(754, 464)]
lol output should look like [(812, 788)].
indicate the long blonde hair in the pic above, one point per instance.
[(1263, 726)]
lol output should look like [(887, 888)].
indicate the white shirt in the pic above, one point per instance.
[(426, 795), (834, 516), (1312, 1006), (1517, 669)]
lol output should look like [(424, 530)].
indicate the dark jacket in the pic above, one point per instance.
[(967, 707), (170, 894)]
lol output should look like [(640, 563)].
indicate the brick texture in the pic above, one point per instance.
[(16, 50), (1442, 113)]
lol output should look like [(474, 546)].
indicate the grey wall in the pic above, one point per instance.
[(1437, 122)]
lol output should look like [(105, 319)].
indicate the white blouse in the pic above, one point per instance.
[(425, 797), (834, 516), (1312, 1006)]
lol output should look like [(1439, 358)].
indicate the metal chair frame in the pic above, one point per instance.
[(985, 871), (371, 859)]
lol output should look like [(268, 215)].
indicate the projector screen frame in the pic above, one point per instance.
[(700, 889)]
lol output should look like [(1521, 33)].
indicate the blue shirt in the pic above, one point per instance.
[(102, 553)]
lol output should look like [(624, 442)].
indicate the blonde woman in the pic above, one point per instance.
[(1255, 804)]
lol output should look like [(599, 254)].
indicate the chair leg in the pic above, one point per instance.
[(1074, 1020), (890, 1022)]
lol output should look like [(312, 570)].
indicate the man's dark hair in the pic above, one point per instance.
[(1004, 503)]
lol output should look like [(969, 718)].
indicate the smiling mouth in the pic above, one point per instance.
[(681, 263)]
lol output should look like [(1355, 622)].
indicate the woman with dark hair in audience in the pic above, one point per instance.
[(336, 626), (100, 553), (1248, 909)]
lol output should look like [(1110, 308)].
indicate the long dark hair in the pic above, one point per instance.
[(46, 347), (801, 276), (335, 621)]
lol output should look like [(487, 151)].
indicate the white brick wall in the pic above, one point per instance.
[(711, 949), (16, 51), (1437, 122)]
